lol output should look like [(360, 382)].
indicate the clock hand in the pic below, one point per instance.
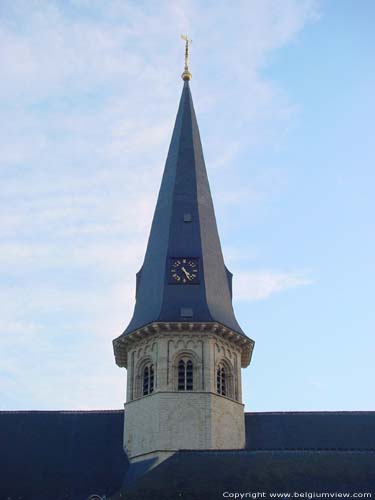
[(186, 273)]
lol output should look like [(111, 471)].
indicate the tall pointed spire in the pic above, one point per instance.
[(183, 277)]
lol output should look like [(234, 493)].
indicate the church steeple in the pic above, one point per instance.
[(183, 348), (183, 277), (184, 228)]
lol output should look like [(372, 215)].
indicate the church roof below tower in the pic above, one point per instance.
[(183, 277), (75, 454)]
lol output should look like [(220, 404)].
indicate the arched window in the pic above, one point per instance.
[(148, 379), (222, 381), (185, 375)]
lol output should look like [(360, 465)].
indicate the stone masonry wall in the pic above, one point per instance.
[(183, 420), (169, 419)]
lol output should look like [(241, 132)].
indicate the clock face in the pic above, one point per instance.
[(184, 271)]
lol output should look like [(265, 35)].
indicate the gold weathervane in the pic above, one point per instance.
[(186, 75)]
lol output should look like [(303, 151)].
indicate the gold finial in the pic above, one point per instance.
[(186, 75)]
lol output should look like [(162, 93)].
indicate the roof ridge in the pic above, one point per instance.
[(60, 411), (116, 410), (249, 450), (298, 412)]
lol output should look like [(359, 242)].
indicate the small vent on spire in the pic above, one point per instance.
[(186, 312)]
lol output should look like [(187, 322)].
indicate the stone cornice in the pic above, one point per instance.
[(124, 343)]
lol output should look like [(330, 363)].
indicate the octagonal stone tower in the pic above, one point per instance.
[(183, 348)]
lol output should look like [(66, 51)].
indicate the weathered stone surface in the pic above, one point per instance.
[(169, 419)]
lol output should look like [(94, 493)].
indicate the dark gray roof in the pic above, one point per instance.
[(184, 194), (206, 475), (318, 430), (72, 455), (60, 455)]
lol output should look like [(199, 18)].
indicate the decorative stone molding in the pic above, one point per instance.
[(123, 344)]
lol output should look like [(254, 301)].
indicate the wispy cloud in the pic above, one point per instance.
[(88, 96), (260, 284)]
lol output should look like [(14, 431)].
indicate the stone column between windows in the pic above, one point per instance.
[(239, 379), (130, 376), (162, 364), (209, 364)]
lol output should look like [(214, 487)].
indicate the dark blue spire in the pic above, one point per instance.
[(184, 227)]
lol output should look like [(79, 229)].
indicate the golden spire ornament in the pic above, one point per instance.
[(186, 75)]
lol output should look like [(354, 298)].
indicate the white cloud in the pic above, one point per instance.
[(260, 284)]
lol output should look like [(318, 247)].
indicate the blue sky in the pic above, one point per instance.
[(284, 96)]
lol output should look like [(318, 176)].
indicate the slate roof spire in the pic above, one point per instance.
[(184, 227), (183, 279)]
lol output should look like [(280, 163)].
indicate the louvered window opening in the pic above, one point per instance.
[(185, 375), (221, 381), (148, 380)]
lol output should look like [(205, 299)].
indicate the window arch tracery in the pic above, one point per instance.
[(148, 378), (187, 371), (145, 379), (221, 380), (185, 375), (225, 379)]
